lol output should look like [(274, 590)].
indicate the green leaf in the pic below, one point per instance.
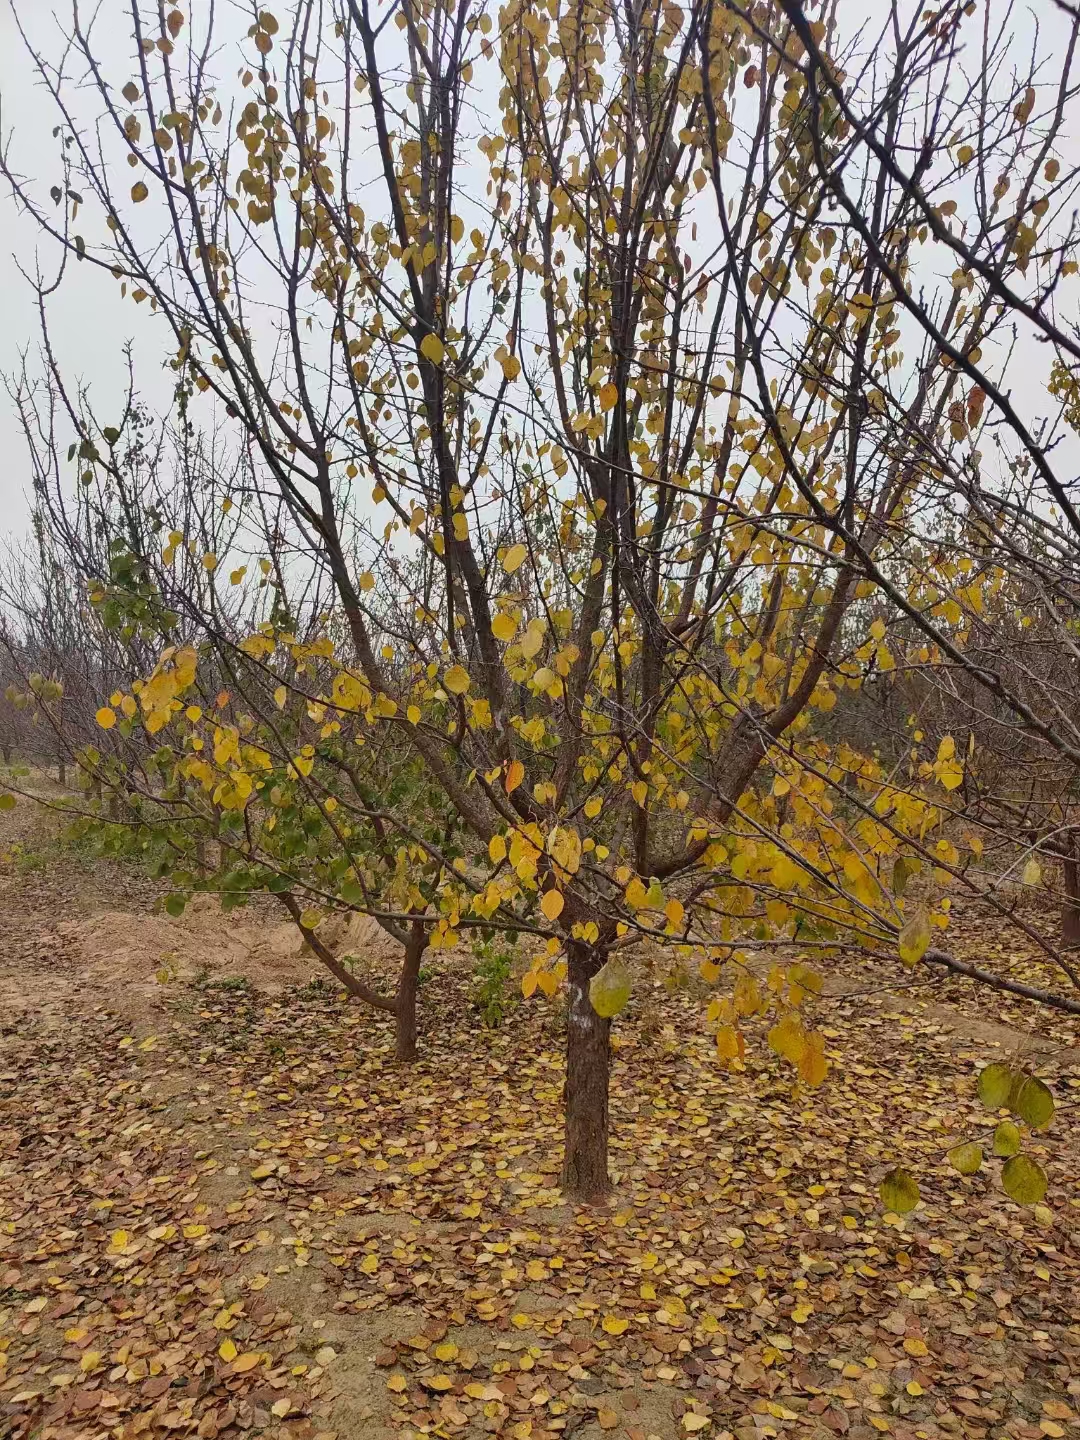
[(1006, 1139), (175, 904), (1033, 1102), (1024, 1180), (7, 802), (966, 1158), (899, 1191), (996, 1085), (609, 988)]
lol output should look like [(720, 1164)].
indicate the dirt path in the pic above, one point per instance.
[(224, 1210)]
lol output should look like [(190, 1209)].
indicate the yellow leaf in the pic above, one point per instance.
[(532, 642), (914, 1346), (90, 1361), (728, 1046), (514, 558), (529, 982), (369, 1265), (209, 561), (552, 904), (514, 776), (227, 1351), (139, 192), (461, 526), (813, 1067), (593, 806), (614, 1325), (397, 1383), (457, 680), (432, 348), (412, 714), (914, 938), (504, 628), (280, 696), (511, 367), (608, 395), (788, 1038), (106, 718)]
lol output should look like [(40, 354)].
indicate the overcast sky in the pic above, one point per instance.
[(90, 323)]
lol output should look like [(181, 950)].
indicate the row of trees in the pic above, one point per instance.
[(617, 491)]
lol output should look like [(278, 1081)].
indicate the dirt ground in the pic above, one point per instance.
[(225, 1210)]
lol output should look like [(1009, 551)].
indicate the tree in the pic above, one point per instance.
[(657, 405)]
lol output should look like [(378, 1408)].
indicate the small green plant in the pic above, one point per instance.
[(232, 984), (494, 957)]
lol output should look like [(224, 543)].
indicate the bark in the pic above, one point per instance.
[(5, 750), (588, 1068), (1070, 909), (408, 986), (61, 770), (1001, 982)]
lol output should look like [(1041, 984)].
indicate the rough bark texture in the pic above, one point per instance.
[(408, 985), (1070, 910), (588, 1067)]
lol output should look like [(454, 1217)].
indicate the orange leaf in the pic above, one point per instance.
[(246, 1362)]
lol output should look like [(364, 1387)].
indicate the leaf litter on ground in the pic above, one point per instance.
[(232, 1213)]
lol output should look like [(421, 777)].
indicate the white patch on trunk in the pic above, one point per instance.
[(580, 1009)]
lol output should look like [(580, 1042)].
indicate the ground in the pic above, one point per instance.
[(225, 1209)]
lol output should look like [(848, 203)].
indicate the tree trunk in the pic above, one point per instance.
[(588, 1067), (5, 750), (1070, 909), (61, 769), (408, 985)]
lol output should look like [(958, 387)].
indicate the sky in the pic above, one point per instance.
[(88, 322), (89, 326)]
